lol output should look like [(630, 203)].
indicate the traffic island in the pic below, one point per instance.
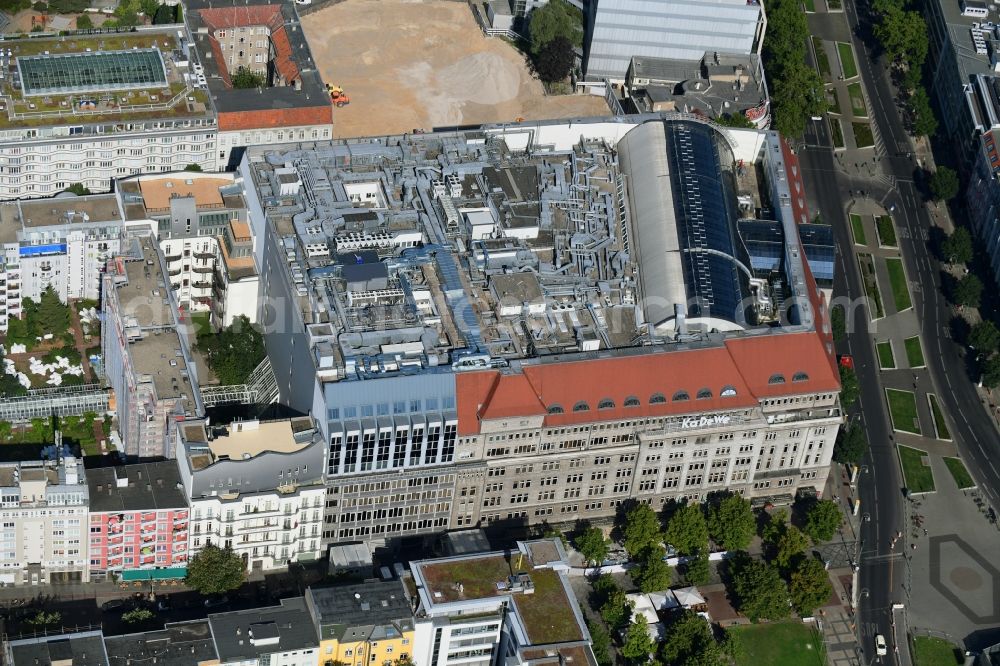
[(917, 474)]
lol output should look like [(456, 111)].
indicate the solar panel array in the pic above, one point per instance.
[(91, 72)]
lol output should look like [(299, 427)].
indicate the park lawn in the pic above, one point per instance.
[(863, 136), (918, 477), (903, 410), (858, 107), (940, 427), (914, 354), (871, 286), (958, 472), (822, 59), (886, 360), (837, 133), (931, 651), (897, 279), (779, 644), (849, 67), (810, 5), (886, 231), (858, 227)]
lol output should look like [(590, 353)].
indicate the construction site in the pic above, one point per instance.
[(405, 65)]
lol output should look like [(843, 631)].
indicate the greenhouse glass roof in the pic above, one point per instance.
[(91, 72)]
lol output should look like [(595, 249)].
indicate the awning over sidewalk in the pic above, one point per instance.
[(154, 574)]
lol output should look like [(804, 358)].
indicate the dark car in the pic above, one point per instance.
[(114, 605), (215, 602), (163, 604)]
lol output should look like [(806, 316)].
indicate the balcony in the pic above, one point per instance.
[(204, 255), (203, 269), (172, 257)]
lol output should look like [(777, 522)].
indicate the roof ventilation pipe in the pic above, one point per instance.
[(680, 316)]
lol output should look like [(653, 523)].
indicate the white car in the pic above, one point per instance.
[(880, 649)]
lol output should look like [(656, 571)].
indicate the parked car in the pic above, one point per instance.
[(113, 605), (880, 648), (215, 602), (163, 604)]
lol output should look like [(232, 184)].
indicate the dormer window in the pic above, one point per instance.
[(581, 407), (776, 379), (606, 403), (657, 399)]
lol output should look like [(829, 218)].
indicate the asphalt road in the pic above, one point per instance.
[(972, 427), (880, 488)]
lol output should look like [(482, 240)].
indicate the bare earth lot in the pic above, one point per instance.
[(425, 63)]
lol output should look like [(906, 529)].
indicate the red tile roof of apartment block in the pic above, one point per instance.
[(274, 118), (241, 16), (795, 185), (735, 375), (283, 61)]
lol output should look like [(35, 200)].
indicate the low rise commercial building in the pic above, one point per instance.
[(367, 623), (43, 506), (177, 644), (513, 607), (138, 518), (281, 635), (256, 487)]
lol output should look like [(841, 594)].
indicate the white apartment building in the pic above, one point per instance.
[(63, 243), (43, 512), (256, 487), (199, 221), (60, 126)]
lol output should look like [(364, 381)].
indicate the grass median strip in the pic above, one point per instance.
[(897, 280), (871, 286), (914, 354), (822, 59), (863, 137), (903, 410), (886, 231), (858, 107), (837, 133), (858, 228), (917, 476), (940, 427), (886, 360), (958, 472), (847, 64)]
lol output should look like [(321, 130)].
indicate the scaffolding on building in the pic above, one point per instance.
[(261, 388)]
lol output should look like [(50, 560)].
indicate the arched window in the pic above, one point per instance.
[(800, 377), (632, 401), (680, 396), (727, 391), (581, 407), (606, 403), (556, 409), (704, 393), (776, 379), (657, 399)]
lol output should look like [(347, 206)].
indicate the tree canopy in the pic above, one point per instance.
[(850, 390), (902, 33), (688, 641), (215, 570), (944, 184), (556, 18), (851, 445), (78, 189), (686, 530), (809, 586), (957, 247), (636, 644), (555, 60), (760, 591), (696, 570), (234, 352), (247, 78), (612, 604), (991, 372), (731, 521), (652, 574), (52, 314), (84, 22), (797, 90), (790, 545), (924, 121), (822, 520), (641, 530), (968, 291), (985, 337), (592, 544)]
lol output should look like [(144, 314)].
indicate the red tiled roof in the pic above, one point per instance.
[(283, 61), (798, 190), (273, 118), (220, 58), (218, 18), (745, 365)]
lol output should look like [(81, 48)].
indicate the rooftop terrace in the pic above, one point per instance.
[(88, 79)]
